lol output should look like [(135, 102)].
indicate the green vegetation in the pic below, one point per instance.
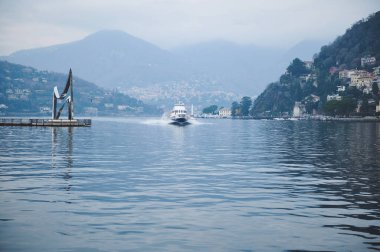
[(213, 110), (245, 105), (243, 108), (345, 107), (235, 109), (24, 90), (297, 68), (310, 85)]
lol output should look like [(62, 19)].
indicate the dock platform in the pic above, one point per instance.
[(45, 122)]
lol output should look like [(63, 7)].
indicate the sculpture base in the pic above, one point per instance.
[(45, 122)]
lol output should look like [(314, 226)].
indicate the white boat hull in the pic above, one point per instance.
[(179, 116)]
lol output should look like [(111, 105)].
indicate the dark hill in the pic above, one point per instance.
[(361, 40), (29, 91)]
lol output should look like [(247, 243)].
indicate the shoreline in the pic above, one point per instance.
[(346, 119)]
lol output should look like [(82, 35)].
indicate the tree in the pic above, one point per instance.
[(235, 109), (213, 109), (245, 103), (297, 68), (375, 89), (340, 108)]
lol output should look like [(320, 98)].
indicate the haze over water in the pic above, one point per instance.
[(216, 185)]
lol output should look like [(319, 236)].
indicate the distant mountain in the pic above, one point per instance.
[(112, 58), (108, 58), (25, 90), (304, 50), (241, 68), (244, 68)]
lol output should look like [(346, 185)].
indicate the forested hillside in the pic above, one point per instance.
[(342, 80), (25, 90)]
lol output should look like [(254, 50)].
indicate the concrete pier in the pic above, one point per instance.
[(45, 122)]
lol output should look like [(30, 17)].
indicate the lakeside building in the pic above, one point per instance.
[(298, 109), (45, 110), (108, 105), (224, 112), (91, 111)]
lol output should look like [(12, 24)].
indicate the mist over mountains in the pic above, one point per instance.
[(113, 58)]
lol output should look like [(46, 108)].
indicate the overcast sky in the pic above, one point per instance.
[(28, 24)]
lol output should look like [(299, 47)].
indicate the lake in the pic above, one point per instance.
[(139, 184)]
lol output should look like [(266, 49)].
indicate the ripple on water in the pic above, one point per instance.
[(141, 184)]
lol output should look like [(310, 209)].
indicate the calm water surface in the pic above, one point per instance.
[(217, 185)]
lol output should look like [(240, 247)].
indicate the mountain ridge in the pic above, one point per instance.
[(113, 58)]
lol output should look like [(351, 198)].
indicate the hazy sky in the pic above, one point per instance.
[(169, 23)]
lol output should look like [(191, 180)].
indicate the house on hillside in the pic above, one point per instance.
[(333, 70), (361, 82), (361, 79), (334, 97), (309, 64), (341, 88), (376, 71), (346, 74), (367, 61)]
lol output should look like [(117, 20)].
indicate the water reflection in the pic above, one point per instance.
[(341, 162), (62, 151)]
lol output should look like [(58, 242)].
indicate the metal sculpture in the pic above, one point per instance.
[(69, 99)]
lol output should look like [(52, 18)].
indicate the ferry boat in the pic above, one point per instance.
[(179, 115)]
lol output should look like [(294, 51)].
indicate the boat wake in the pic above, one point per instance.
[(164, 120)]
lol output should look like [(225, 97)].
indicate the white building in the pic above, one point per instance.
[(349, 74), (91, 111), (309, 64), (298, 109), (334, 97), (376, 70), (368, 61), (108, 105), (361, 82), (224, 112), (45, 110), (367, 90), (341, 88), (122, 107)]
